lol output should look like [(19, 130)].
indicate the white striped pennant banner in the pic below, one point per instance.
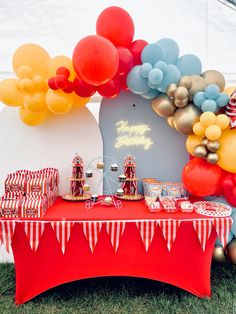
[(63, 230), (115, 230), (169, 230), (147, 231), (34, 231), (8, 229), (223, 227), (203, 230), (91, 230)]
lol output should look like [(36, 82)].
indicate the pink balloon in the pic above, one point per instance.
[(126, 60)]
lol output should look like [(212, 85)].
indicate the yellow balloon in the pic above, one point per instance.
[(78, 101), (32, 119), (227, 151), (39, 83), (192, 141), (213, 132), (25, 72), (59, 102), (10, 94), (33, 56), (229, 90), (61, 61), (207, 118), (199, 129), (35, 102), (222, 121), (26, 85)]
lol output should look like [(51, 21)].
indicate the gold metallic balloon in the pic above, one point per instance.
[(181, 103), (200, 151), (231, 251), (213, 146), (212, 158), (205, 141), (214, 77), (171, 90), (181, 93), (219, 254), (185, 81), (184, 118), (163, 106), (198, 85), (170, 121)]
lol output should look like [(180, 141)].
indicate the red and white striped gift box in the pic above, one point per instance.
[(38, 184), (33, 208), (53, 171), (16, 183), (13, 195), (40, 195), (10, 208)]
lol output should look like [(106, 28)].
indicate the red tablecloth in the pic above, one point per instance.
[(72, 243)]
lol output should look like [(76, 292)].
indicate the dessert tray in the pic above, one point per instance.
[(214, 209)]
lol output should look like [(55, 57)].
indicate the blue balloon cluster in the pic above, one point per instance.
[(161, 66), (211, 99)]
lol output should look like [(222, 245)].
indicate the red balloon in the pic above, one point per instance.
[(51, 83), (95, 60), (126, 60), (110, 89), (201, 178), (82, 88), (70, 88), (64, 71), (61, 81), (229, 189), (116, 24), (136, 49), (123, 82)]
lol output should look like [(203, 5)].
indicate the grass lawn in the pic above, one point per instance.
[(123, 295)]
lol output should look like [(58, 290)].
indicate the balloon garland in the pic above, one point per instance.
[(194, 103)]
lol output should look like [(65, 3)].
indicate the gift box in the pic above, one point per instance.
[(10, 208), (33, 207), (185, 206), (16, 182), (153, 204), (13, 195), (39, 184)]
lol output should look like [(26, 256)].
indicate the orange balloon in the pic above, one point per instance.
[(33, 56), (78, 101), (59, 102), (10, 94), (32, 119), (35, 102), (192, 141), (227, 151)]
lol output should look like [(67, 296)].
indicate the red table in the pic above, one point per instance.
[(71, 227)]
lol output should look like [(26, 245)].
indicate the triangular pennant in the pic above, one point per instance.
[(169, 230), (115, 230), (92, 231), (223, 227), (147, 231), (203, 230), (63, 230), (8, 229), (34, 231)]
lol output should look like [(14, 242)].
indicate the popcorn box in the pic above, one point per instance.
[(168, 204), (33, 207), (10, 208), (38, 184), (152, 189), (16, 183)]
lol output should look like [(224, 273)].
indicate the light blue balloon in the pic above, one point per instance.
[(189, 65), (222, 100), (199, 98), (171, 49), (155, 76), (135, 82), (153, 86), (162, 66), (212, 91), (233, 229), (145, 69), (172, 76), (209, 105), (152, 53), (151, 94)]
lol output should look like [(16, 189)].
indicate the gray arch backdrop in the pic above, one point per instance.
[(164, 159)]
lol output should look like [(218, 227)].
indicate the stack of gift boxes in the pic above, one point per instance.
[(167, 196), (28, 194)]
